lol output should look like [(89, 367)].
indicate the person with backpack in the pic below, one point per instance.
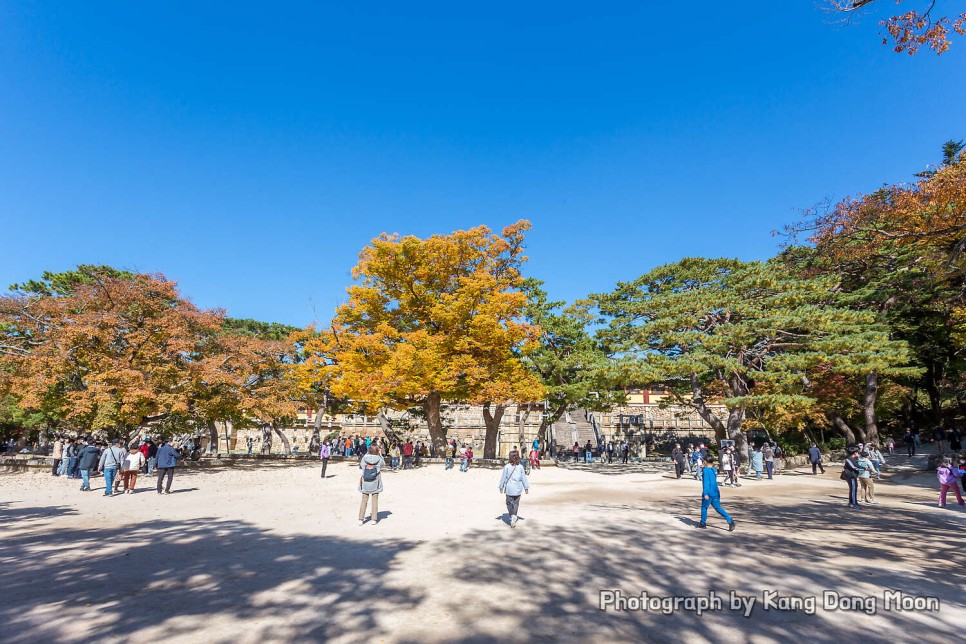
[(711, 495), (815, 458), (324, 456), (513, 483), (370, 484)]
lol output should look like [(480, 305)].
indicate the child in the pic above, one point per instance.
[(514, 483), (947, 475), (535, 458), (711, 495)]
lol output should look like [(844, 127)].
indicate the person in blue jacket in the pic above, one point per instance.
[(168, 458), (711, 495)]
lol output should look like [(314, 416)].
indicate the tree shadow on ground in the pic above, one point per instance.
[(173, 576), (555, 595)]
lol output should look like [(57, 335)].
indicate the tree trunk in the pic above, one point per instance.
[(523, 423), (285, 442), (697, 401), (548, 420), (391, 434), (437, 435), (266, 438), (492, 422), (736, 417), (843, 427), (868, 407), (316, 441), (212, 437)]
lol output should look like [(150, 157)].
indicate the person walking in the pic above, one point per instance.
[(850, 474), (131, 467), (168, 458), (947, 474), (87, 460), (514, 483), (110, 463), (370, 484), (576, 452), (815, 458), (677, 455), (58, 455), (711, 495), (891, 445), (588, 453), (324, 456)]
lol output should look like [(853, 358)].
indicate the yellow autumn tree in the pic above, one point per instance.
[(429, 321)]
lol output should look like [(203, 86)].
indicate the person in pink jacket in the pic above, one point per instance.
[(947, 474)]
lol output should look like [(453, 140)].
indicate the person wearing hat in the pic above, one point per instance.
[(109, 464), (168, 458)]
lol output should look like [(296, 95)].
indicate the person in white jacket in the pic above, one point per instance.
[(514, 483)]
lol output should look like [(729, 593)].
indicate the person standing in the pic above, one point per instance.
[(450, 454), (850, 474), (152, 457), (132, 465), (87, 460), (407, 451), (625, 451), (514, 483), (891, 445), (324, 456), (757, 463), (110, 463), (677, 455), (815, 458), (168, 458), (469, 458), (588, 453), (58, 456), (867, 473), (576, 452), (910, 440), (768, 454), (727, 462), (370, 484), (711, 495)]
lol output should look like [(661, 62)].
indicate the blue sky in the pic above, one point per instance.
[(249, 151)]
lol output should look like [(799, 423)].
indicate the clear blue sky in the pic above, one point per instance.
[(249, 151)]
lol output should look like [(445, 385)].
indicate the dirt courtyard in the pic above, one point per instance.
[(274, 553)]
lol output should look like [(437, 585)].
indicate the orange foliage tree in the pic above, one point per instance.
[(108, 352), (430, 320)]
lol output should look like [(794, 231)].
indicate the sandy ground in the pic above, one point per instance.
[(274, 553)]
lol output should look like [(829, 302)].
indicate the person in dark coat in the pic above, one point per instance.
[(677, 455), (86, 461)]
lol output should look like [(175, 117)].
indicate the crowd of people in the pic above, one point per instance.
[(83, 458)]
